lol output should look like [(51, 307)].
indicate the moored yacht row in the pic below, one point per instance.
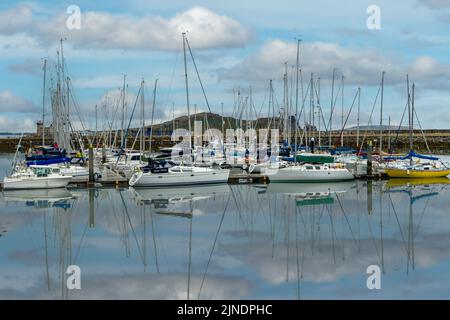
[(159, 173), (211, 162)]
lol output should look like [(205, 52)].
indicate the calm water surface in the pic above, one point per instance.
[(281, 241)]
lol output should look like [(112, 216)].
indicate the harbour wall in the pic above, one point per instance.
[(438, 141)]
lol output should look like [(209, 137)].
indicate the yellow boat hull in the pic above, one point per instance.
[(398, 182), (404, 173)]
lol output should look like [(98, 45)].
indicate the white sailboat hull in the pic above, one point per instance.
[(196, 177), (300, 174), (17, 183)]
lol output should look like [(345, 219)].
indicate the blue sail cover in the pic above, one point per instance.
[(47, 161), (410, 155)]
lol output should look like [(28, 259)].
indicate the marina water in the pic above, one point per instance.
[(278, 241)]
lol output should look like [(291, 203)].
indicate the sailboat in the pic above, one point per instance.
[(164, 173), (308, 167), (179, 176), (410, 169), (406, 167), (36, 177)]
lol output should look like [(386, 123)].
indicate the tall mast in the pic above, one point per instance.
[(319, 107), (409, 117), (43, 103), (286, 104), (142, 144), (305, 118), (389, 135), (173, 117), (238, 106), (195, 112), (357, 119), (381, 111), (153, 114), (273, 105), (223, 134), (187, 90), (60, 102), (412, 115), (250, 104), (311, 108), (57, 113), (331, 108), (96, 128), (65, 98), (342, 110), (296, 99), (122, 142)]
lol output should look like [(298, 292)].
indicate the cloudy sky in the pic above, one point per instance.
[(235, 43)]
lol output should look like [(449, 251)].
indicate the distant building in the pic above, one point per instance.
[(40, 127)]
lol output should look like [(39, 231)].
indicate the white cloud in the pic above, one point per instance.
[(334, 261), (9, 102), (318, 57), (118, 286), (428, 67), (28, 67), (430, 73), (109, 106), (20, 46), (14, 20), (10, 124), (445, 18), (102, 30), (360, 67), (434, 4), (99, 81)]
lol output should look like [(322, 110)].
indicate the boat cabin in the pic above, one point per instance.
[(44, 171)]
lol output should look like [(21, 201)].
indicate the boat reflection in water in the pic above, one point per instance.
[(232, 241), (40, 198), (308, 188), (401, 182), (182, 193), (308, 193), (419, 191), (179, 200)]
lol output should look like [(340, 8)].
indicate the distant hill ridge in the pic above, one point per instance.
[(377, 127)]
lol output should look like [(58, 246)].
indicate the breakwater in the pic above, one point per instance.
[(438, 141)]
